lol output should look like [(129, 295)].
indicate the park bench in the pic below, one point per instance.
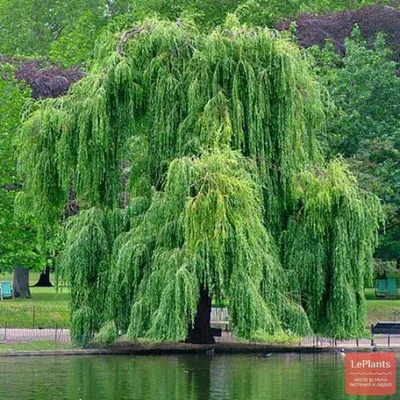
[(219, 317), (385, 328), (6, 290)]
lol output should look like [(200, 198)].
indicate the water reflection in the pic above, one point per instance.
[(189, 377)]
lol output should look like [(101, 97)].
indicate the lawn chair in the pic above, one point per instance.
[(380, 288), (6, 290), (391, 288)]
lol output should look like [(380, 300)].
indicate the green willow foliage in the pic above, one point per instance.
[(195, 163)]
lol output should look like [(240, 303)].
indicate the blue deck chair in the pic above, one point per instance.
[(391, 288), (6, 290), (380, 288)]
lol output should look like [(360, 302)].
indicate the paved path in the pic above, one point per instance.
[(11, 335)]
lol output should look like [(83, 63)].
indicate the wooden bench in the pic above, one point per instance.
[(220, 318)]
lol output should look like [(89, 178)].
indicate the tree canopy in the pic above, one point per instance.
[(364, 122), (314, 29), (18, 244), (66, 29), (195, 163)]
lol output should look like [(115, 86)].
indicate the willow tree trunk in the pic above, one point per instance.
[(201, 332), (21, 283), (44, 278)]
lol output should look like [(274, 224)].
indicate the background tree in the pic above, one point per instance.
[(32, 32), (228, 196), (64, 29), (314, 17), (18, 245), (314, 29), (364, 125), (20, 80)]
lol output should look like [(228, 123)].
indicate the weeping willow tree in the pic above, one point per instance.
[(196, 168)]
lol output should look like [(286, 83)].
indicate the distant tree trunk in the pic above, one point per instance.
[(44, 278), (21, 283), (201, 332)]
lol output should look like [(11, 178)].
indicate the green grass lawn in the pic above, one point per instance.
[(379, 309), (382, 310), (46, 308)]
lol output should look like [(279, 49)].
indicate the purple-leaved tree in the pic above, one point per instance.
[(316, 29)]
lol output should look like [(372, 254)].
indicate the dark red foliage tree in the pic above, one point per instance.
[(316, 29), (44, 78), (47, 82)]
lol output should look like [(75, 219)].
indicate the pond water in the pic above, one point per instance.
[(186, 377)]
